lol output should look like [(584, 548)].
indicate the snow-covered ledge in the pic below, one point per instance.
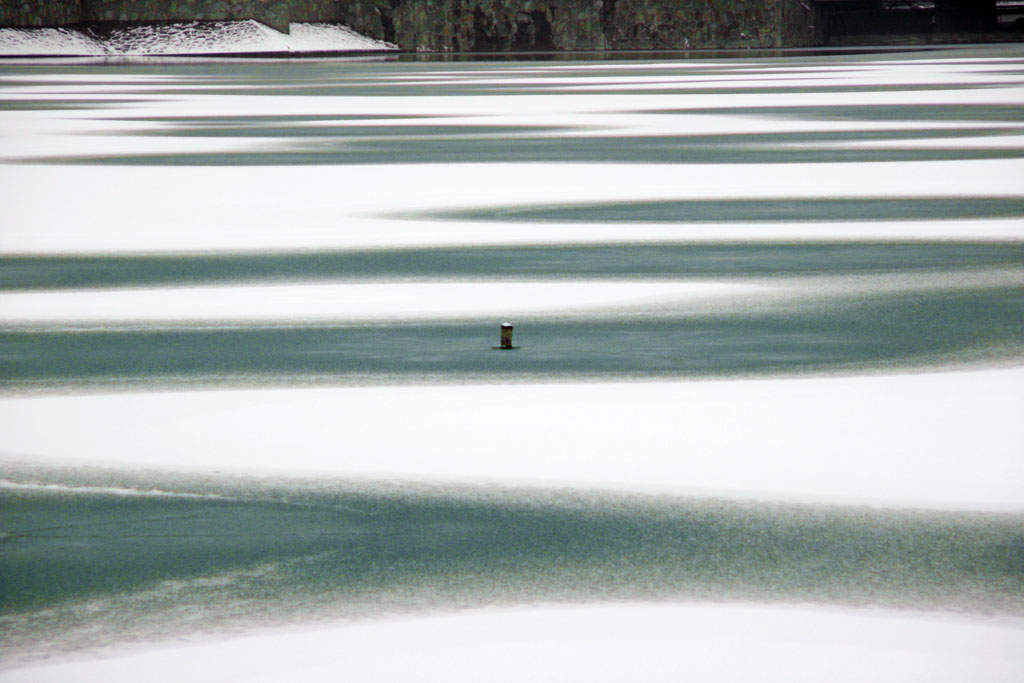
[(194, 38)]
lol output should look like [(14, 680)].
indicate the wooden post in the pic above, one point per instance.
[(506, 335)]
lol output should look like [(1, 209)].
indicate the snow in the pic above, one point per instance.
[(359, 207), (945, 439), (195, 38), (49, 41), (651, 643), (948, 440), (348, 302)]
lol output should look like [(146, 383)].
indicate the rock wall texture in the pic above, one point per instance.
[(497, 25), (40, 12), (474, 25), (274, 13), (800, 24), (315, 10)]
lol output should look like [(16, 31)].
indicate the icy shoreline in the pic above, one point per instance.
[(195, 38), (631, 641)]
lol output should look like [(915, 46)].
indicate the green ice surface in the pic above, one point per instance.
[(843, 334), (86, 568)]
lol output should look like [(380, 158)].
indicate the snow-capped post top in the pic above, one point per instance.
[(506, 335)]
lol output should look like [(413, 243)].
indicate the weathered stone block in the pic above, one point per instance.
[(463, 25), (40, 12)]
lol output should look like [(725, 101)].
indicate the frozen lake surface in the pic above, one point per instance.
[(770, 323)]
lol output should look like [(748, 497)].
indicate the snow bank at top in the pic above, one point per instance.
[(17, 42), (322, 37), (194, 38)]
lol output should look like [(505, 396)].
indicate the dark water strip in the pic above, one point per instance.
[(450, 147), (325, 549), (834, 334), (586, 261), (247, 124)]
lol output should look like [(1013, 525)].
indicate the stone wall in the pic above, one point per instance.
[(274, 13), (473, 25), (800, 24), (40, 12), (315, 10), (683, 23), (498, 25)]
